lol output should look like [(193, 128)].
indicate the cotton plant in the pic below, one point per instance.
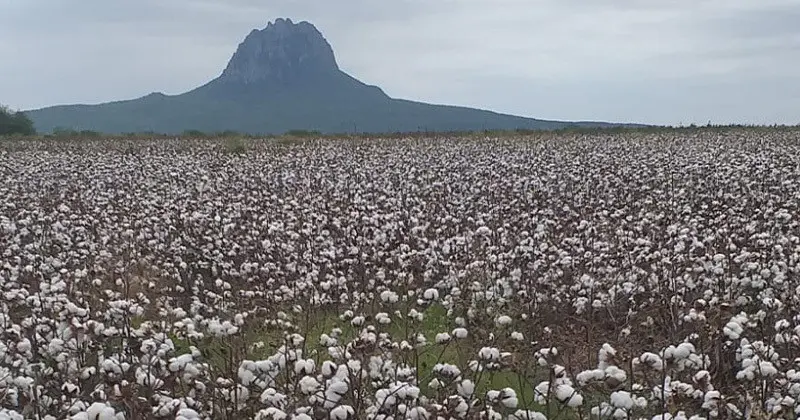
[(278, 285)]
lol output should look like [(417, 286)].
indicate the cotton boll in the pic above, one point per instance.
[(508, 398), (101, 411), (272, 397), (568, 395), (733, 330), (447, 370), (308, 385), (430, 294), (304, 367), (588, 376), (651, 360), (622, 399), (466, 388), (187, 414), (328, 368), (490, 354), (383, 318), (460, 333), (503, 320), (767, 369), (387, 296), (527, 415), (271, 413), (342, 412), (417, 413)]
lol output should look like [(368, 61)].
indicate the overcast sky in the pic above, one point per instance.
[(649, 61)]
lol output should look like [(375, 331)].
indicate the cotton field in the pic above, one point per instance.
[(552, 276)]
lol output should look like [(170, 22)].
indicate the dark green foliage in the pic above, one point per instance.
[(194, 134), (15, 123), (303, 133)]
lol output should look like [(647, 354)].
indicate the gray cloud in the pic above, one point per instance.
[(669, 61)]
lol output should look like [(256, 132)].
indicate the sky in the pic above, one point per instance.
[(671, 62)]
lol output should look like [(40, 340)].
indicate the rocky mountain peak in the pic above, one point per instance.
[(283, 53)]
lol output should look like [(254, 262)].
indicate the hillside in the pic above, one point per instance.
[(280, 78)]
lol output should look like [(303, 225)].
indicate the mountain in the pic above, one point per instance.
[(283, 77)]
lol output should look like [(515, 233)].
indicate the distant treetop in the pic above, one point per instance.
[(15, 122)]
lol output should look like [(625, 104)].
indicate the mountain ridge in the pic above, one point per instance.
[(282, 77)]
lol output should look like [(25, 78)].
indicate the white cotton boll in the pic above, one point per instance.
[(328, 368), (301, 416), (101, 411), (386, 398), (516, 335), (665, 416), (622, 399), (24, 345), (733, 330), (383, 318), (542, 390), (271, 413), (767, 369), (588, 376), (442, 338), (620, 414), (338, 387), (70, 388), (492, 395), (388, 296), (503, 320), (309, 385), (272, 397), (327, 341), (460, 333), (490, 354), (447, 370), (465, 388), (508, 397), (651, 360), (527, 415), (342, 412), (417, 413), (304, 367), (615, 374), (430, 294), (566, 394), (683, 351), (357, 321), (246, 377), (187, 414)]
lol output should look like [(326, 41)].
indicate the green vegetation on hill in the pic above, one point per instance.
[(15, 123)]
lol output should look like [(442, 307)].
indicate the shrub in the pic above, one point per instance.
[(15, 123)]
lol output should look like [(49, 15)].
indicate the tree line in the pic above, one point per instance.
[(15, 122)]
